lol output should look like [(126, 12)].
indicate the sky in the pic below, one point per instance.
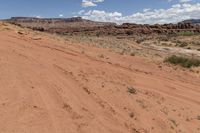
[(118, 11)]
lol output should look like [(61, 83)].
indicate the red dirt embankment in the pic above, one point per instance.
[(48, 85)]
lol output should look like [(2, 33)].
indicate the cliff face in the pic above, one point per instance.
[(54, 20), (45, 20), (49, 24), (78, 25)]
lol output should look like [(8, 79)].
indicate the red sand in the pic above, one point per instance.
[(52, 86)]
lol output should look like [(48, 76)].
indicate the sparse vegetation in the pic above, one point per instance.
[(132, 90), (186, 33), (131, 115), (140, 40), (129, 32), (163, 38), (196, 42), (164, 44), (174, 122), (181, 44), (183, 61)]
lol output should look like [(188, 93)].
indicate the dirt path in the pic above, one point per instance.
[(48, 85)]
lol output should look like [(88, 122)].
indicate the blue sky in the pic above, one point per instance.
[(104, 10)]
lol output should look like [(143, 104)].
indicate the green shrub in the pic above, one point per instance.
[(140, 40), (186, 33), (183, 61), (181, 44)]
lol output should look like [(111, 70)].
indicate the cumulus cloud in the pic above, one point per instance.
[(184, 1), (61, 15), (181, 1), (89, 3), (173, 14), (37, 16), (101, 16)]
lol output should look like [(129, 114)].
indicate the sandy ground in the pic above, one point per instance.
[(48, 85)]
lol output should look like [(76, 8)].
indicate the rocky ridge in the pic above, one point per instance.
[(78, 25)]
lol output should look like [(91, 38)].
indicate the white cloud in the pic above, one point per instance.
[(89, 3), (173, 14), (146, 9), (102, 16), (37, 16), (81, 12), (61, 15), (184, 1), (181, 1)]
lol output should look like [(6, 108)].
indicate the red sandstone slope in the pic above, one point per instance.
[(51, 86)]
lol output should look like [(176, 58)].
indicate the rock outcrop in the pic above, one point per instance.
[(82, 26)]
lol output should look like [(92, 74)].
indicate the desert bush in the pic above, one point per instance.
[(183, 61), (141, 39), (132, 90), (196, 43), (98, 34), (164, 44), (164, 38), (181, 44), (129, 32), (39, 29)]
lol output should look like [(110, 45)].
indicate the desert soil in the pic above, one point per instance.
[(49, 85)]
